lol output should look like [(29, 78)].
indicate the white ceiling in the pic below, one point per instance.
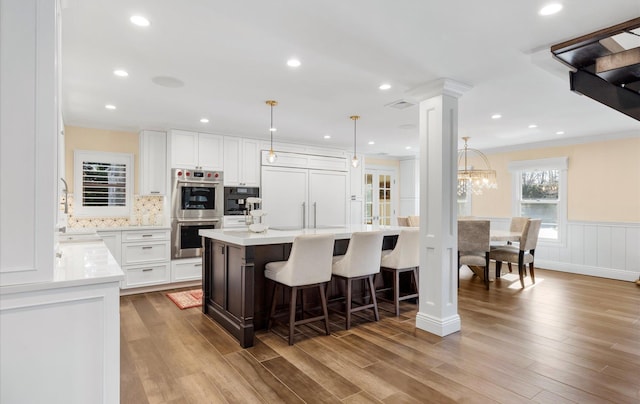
[(231, 56)]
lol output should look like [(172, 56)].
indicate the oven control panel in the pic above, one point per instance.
[(196, 175)]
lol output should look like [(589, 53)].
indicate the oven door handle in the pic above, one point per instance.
[(196, 183), (191, 221)]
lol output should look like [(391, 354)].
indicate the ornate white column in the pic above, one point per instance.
[(438, 310)]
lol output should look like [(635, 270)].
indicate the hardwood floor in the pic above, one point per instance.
[(569, 338)]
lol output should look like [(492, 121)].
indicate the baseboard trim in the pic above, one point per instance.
[(156, 288), (600, 272), (438, 326)]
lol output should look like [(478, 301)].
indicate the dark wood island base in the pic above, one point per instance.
[(236, 294)]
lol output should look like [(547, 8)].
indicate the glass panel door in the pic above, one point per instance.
[(379, 203)]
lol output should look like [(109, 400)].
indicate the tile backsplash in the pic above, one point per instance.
[(147, 210)]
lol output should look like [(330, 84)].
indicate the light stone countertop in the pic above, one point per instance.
[(80, 261), (272, 236)]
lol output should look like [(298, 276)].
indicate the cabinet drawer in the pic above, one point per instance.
[(145, 275), (142, 253), (144, 235), (186, 271)]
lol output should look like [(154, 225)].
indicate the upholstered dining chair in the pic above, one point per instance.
[(405, 257), (403, 221), (518, 224), (414, 221), (308, 266), (474, 244), (360, 261), (523, 254)]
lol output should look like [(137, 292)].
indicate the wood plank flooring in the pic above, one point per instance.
[(567, 339)]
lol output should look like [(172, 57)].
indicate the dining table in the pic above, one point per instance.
[(504, 235)]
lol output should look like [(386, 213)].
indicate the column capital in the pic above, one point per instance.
[(442, 86)]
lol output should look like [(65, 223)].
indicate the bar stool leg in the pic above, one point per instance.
[(292, 313), (273, 306), (373, 297), (396, 291), (323, 299), (348, 304)]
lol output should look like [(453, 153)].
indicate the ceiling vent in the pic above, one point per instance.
[(400, 104)]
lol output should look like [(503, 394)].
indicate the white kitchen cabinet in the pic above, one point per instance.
[(153, 163), (113, 241), (241, 162), (301, 198), (29, 110), (143, 254), (188, 269), (196, 150), (409, 187)]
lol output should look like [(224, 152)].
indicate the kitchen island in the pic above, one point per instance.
[(236, 294)]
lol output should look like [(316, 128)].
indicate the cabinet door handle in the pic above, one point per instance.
[(147, 269), (155, 192), (197, 265), (315, 215), (147, 235), (304, 215), (147, 247)]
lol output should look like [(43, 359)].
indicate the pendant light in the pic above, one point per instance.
[(474, 179), (354, 161), (272, 155)]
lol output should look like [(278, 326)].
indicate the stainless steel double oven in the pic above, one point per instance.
[(196, 203)]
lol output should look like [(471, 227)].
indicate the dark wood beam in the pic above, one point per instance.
[(598, 89)]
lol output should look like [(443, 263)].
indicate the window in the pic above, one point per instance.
[(539, 191), (103, 184)]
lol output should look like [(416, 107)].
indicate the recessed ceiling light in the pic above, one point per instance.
[(550, 9), (204, 120), (533, 126), (371, 142), (408, 147), (496, 116), (109, 106), (560, 132), (140, 21), (120, 73), (293, 63), (384, 86), (327, 136)]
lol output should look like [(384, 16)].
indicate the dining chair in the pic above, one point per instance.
[(405, 257), (361, 261), (403, 221), (474, 244), (308, 266), (414, 221), (517, 224), (523, 254)]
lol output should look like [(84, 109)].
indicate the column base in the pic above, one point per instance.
[(438, 326)]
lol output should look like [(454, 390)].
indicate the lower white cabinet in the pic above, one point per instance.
[(146, 275), (189, 269), (143, 254)]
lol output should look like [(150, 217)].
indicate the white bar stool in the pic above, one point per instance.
[(361, 261), (308, 266), (404, 257)]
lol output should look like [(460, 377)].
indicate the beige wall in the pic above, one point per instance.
[(369, 161), (603, 181), (77, 138)]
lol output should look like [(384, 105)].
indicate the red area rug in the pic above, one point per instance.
[(186, 299)]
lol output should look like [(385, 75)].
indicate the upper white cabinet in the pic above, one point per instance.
[(196, 150), (153, 163), (28, 143), (241, 162)]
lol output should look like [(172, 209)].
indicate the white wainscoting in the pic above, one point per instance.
[(608, 250)]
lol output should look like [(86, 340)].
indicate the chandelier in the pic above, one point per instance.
[(474, 180), (354, 161), (272, 155)]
